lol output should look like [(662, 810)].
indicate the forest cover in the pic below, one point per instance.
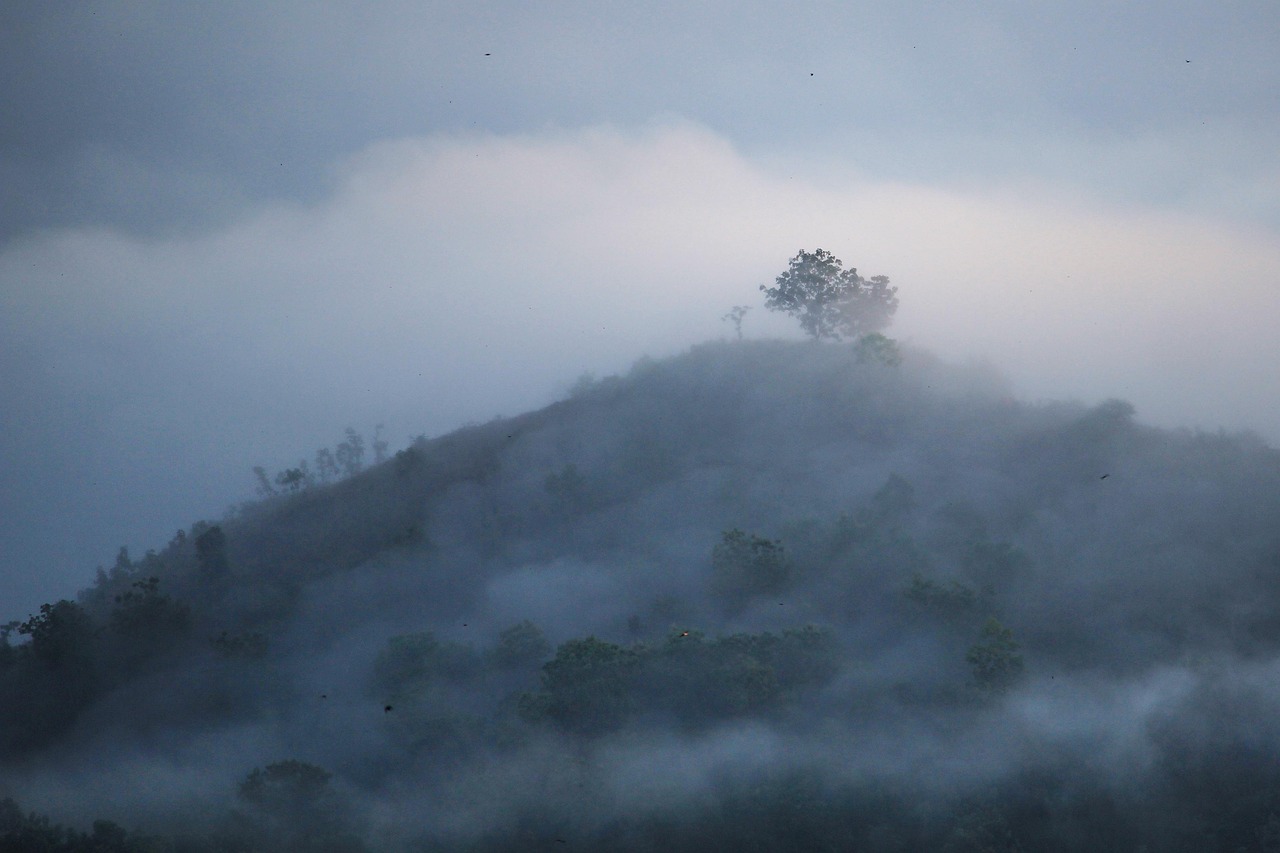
[(763, 595)]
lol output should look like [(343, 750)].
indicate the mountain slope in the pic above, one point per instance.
[(891, 591)]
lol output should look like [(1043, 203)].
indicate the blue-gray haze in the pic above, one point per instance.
[(230, 231)]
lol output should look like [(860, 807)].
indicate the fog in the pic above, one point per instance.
[(229, 235), (448, 280), (837, 597)]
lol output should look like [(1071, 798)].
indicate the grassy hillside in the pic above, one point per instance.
[(763, 595)]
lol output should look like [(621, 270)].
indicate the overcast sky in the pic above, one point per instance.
[(229, 230)]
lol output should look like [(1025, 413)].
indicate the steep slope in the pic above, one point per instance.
[(788, 570)]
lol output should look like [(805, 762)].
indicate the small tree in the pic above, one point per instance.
[(831, 302), (349, 455), (735, 315), (875, 348), (326, 465), (292, 479), (265, 489)]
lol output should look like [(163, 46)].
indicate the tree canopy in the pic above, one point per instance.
[(830, 301)]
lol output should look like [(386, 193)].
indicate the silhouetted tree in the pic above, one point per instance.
[(292, 479), (875, 348), (62, 636), (326, 465), (211, 553), (379, 446), (264, 489), (735, 315), (57, 677), (829, 301), (349, 455)]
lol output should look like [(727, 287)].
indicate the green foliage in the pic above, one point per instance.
[(407, 461), (831, 302), (699, 682), (32, 833), (745, 565), (951, 602), (406, 664), (50, 680), (521, 646), (7, 653), (994, 659), (1104, 421), (287, 786), (145, 624), (804, 656), (586, 685), (411, 662), (592, 686), (211, 554), (293, 807), (144, 612), (293, 479), (62, 636), (1171, 560), (875, 348)]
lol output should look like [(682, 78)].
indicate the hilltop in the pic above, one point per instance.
[(762, 593)]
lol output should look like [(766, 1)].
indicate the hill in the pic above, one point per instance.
[(762, 595)]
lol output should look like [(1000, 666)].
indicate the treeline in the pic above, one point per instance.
[(289, 805), (1223, 799), (591, 687), (345, 460), (886, 606)]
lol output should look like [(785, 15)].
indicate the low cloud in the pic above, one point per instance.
[(453, 278)]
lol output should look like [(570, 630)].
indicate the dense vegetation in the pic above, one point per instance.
[(762, 596)]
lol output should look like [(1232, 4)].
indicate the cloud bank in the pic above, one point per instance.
[(454, 277)]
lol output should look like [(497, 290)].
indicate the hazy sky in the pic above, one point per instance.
[(229, 230)]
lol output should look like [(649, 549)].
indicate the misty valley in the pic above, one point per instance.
[(763, 595)]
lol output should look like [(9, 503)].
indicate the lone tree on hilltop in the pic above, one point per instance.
[(831, 302)]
